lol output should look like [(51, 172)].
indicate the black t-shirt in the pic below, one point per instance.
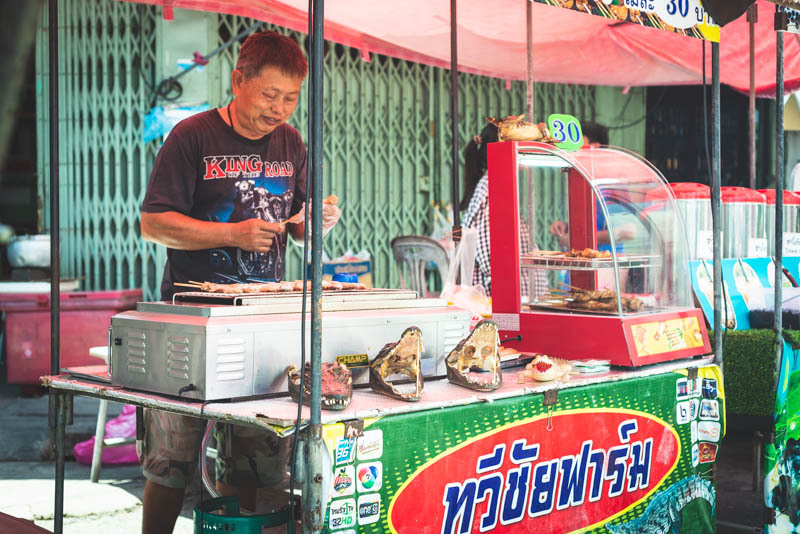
[(209, 172)]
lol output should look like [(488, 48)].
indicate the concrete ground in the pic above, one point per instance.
[(114, 505)]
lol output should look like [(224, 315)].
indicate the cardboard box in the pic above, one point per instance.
[(362, 268)]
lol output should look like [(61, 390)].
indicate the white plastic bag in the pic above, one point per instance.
[(442, 222), (462, 268)]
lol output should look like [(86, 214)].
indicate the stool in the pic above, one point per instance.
[(100, 431), (415, 251)]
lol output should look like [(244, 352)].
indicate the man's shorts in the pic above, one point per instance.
[(246, 457)]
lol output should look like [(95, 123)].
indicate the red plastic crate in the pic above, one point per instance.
[(85, 318)]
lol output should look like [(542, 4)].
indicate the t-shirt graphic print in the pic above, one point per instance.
[(234, 179)]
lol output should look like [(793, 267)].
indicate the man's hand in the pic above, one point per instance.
[(255, 235), (560, 229)]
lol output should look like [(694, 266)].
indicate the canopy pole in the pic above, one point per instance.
[(313, 511), (56, 411), (529, 39), (715, 204), (779, 178), (454, 115), (752, 18)]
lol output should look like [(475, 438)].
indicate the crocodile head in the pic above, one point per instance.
[(400, 358), (337, 385), (474, 363)]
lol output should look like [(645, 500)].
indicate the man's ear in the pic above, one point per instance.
[(237, 77)]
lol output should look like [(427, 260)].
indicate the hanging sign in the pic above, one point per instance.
[(685, 17), (566, 130), (792, 17)]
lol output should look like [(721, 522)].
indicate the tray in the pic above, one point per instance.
[(561, 262)]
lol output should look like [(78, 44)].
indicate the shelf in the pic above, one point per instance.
[(588, 264)]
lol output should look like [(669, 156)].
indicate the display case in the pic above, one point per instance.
[(583, 264)]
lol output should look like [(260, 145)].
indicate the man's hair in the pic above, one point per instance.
[(597, 133), (268, 48)]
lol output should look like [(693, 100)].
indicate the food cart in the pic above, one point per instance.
[(503, 476)]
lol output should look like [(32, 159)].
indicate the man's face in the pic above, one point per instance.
[(265, 101)]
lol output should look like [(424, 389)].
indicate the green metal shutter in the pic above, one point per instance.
[(386, 151)]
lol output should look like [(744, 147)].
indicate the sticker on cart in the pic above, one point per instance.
[(344, 482), (709, 410), (369, 508), (370, 445), (693, 431), (708, 452), (667, 336), (710, 388), (506, 321), (342, 514), (369, 476), (345, 450), (353, 360), (695, 455), (685, 388), (683, 412), (694, 409), (709, 430)]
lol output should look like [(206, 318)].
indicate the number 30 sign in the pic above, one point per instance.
[(566, 130)]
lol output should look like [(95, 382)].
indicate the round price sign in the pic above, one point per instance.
[(566, 130), (682, 14)]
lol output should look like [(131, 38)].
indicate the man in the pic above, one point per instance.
[(222, 186)]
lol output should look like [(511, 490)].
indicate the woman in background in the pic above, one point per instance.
[(476, 202)]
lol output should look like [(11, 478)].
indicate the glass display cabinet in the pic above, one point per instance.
[(584, 263)]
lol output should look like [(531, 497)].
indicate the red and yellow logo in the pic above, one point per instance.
[(570, 472)]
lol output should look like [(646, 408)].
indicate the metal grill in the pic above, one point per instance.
[(386, 152)]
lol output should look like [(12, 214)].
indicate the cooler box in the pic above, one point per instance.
[(85, 318)]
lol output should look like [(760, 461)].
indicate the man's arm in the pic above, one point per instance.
[(182, 232)]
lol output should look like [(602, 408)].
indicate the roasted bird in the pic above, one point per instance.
[(602, 300), (337, 385), (477, 352), (400, 358), (517, 129)]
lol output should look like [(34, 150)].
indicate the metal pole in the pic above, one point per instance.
[(312, 490), (529, 95), (56, 405), (752, 18), (779, 177), (61, 422), (454, 114), (715, 204), (529, 39), (55, 251)]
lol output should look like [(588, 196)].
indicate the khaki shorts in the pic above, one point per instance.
[(246, 457)]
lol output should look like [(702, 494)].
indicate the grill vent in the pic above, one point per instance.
[(453, 333), (230, 358), (136, 344), (178, 351)]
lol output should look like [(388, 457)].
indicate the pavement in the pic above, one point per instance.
[(114, 505)]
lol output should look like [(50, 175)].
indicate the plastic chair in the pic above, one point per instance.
[(100, 429), (414, 252)]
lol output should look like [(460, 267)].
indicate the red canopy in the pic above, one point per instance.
[(569, 46)]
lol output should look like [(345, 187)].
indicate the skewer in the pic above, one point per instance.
[(196, 283), (196, 286)]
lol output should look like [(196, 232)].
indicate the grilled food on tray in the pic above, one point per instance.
[(588, 253), (602, 300), (272, 287)]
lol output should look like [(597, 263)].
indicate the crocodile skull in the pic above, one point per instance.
[(477, 352), (543, 368), (337, 385), (400, 358)]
